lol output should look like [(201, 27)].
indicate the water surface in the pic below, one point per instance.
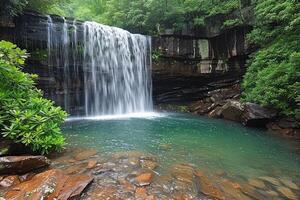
[(209, 144)]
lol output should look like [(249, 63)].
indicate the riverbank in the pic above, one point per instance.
[(225, 104), (172, 156)]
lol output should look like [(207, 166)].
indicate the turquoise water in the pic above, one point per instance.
[(211, 145)]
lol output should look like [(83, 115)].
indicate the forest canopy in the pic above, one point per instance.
[(143, 16)]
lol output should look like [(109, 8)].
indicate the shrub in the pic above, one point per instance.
[(25, 116), (273, 75)]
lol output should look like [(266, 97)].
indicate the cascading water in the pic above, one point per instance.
[(115, 67), (117, 78)]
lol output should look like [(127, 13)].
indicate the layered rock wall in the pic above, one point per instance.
[(191, 62)]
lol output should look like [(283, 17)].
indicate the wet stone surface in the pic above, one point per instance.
[(138, 175)]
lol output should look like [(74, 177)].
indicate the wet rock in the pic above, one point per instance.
[(216, 112), (85, 154), (255, 115), (105, 193), (126, 184), (199, 173), (271, 180), (165, 147), (92, 164), (101, 170), (9, 181), (144, 179), (287, 193), (127, 154), (181, 197), (149, 164), (51, 184), (257, 183), (75, 169), (221, 173), (9, 148), (207, 188), (232, 110), (288, 123), (141, 190), (272, 194), (22, 164), (250, 191), (183, 172), (289, 184), (134, 161), (232, 190), (26, 177)]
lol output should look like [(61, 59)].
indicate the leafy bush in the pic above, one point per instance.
[(25, 116), (273, 75)]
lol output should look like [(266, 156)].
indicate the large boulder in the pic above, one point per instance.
[(51, 184), (256, 115), (232, 110), (22, 164), (10, 148)]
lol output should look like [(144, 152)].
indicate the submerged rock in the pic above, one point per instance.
[(287, 193), (9, 181), (144, 179), (255, 115), (257, 183), (91, 164), (22, 164), (51, 184), (271, 180), (183, 172), (85, 154), (149, 164), (289, 184), (207, 188)]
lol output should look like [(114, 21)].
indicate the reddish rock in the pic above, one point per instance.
[(126, 184), (257, 183), (149, 164), (140, 190), (22, 164), (199, 173), (26, 177), (207, 188), (183, 172), (75, 169), (105, 193), (9, 181), (51, 184), (144, 179), (91, 164), (287, 193), (85, 154)]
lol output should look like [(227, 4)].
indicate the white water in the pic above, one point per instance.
[(118, 78), (116, 68)]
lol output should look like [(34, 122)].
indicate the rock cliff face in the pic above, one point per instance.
[(31, 32), (196, 60), (192, 61)]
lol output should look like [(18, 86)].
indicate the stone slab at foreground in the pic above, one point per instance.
[(50, 185), (22, 164)]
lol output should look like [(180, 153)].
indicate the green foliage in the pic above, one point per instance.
[(156, 55), (143, 16), (12, 7), (273, 75), (25, 116)]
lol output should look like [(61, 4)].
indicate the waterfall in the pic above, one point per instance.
[(117, 76), (104, 70)]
